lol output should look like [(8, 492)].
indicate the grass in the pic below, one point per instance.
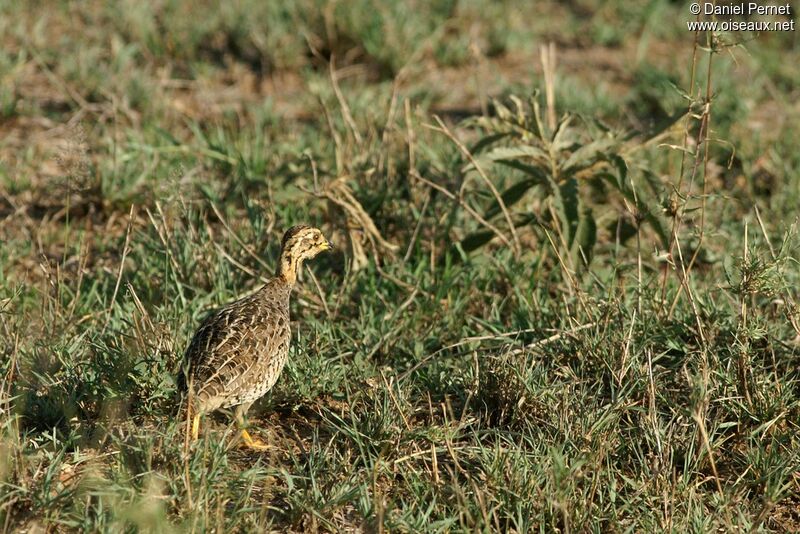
[(558, 302)]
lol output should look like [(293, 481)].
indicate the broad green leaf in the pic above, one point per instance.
[(516, 152), (476, 240), (585, 238), (564, 135), (540, 175), (479, 238), (487, 141), (644, 203), (588, 155), (569, 209), (511, 196), (621, 228)]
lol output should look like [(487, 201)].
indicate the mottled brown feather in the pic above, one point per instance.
[(239, 351)]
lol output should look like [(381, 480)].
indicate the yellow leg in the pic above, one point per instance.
[(249, 441), (196, 426), (253, 443)]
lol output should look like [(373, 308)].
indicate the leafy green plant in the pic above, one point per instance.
[(559, 163), (552, 161)]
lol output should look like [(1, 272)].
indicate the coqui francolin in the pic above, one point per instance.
[(238, 352)]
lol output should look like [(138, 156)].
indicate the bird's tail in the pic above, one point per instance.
[(183, 378)]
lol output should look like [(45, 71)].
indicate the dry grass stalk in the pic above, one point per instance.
[(361, 229)]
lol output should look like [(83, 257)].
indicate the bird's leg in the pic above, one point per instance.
[(191, 407), (249, 441), (195, 426)]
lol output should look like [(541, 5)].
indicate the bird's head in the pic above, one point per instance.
[(300, 243)]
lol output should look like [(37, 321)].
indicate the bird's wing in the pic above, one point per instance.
[(230, 342)]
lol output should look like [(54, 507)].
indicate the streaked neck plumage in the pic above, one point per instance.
[(288, 267)]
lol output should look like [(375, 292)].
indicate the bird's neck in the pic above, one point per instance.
[(288, 267)]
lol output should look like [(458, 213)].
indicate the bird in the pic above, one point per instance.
[(238, 352)]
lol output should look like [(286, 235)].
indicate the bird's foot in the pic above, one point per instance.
[(253, 443)]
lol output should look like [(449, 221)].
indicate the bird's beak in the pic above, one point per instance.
[(330, 244)]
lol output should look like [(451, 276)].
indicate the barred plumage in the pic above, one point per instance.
[(237, 354)]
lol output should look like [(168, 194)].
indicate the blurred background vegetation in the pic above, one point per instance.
[(564, 297)]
